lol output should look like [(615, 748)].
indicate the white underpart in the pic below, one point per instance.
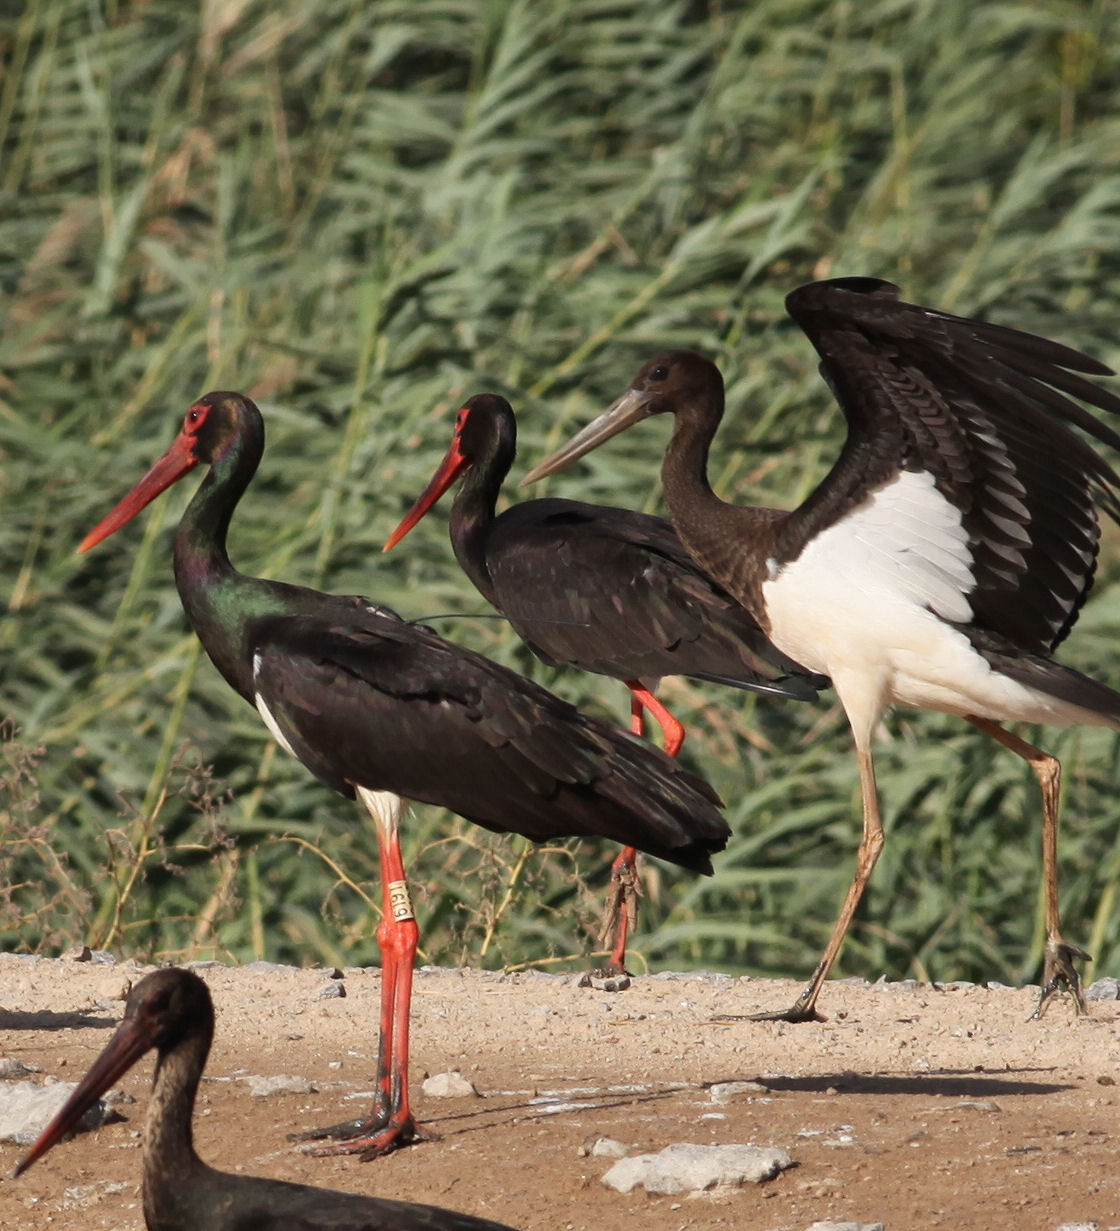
[(867, 602), (269, 718), (384, 807)]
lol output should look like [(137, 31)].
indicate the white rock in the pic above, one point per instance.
[(604, 1147), (828, 1225), (449, 1085), (724, 1091), (683, 1167), (281, 1083), (11, 1068), (26, 1109)]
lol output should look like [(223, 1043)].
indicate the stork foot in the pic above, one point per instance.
[(794, 1014), (803, 1008), (368, 1138), (620, 916), (1058, 971)]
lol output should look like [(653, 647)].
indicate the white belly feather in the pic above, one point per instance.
[(867, 602)]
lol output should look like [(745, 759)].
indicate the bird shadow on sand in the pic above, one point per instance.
[(942, 1083), (46, 1019), (495, 1113)]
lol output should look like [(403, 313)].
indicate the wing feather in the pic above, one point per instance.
[(989, 412), (369, 700)]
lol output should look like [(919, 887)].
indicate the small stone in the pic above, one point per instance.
[(1103, 989), (331, 991), (603, 982), (723, 1092), (684, 1167), (828, 1225), (899, 985), (90, 1194), (1077, 1226), (281, 1083), (603, 1147), (11, 1068), (79, 953), (449, 1085)]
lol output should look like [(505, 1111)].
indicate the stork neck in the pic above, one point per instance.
[(169, 1158), (684, 471), (215, 595), (728, 541), (472, 520)]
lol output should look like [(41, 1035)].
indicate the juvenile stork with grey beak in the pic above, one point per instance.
[(943, 558)]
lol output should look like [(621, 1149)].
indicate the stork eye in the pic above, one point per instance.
[(661, 372), (195, 416), (157, 1006)]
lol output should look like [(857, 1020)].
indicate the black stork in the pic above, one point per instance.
[(603, 589), (381, 709), (942, 559), (171, 1011)]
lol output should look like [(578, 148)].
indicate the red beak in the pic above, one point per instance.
[(120, 1054), (171, 466), (449, 470)]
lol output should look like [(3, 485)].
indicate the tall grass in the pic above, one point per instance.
[(361, 213)]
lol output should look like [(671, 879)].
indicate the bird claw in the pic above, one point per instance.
[(344, 1131), (795, 1014), (1059, 971), (368, 1138), (803, 1009), (393, 1138)]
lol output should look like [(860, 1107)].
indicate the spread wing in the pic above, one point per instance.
[(989, 413)]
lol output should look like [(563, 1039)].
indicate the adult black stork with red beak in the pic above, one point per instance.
[(383, 709), (942, 559), (171, 1011), (603, 589)]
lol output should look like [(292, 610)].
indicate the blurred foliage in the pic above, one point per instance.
[(360, 213)]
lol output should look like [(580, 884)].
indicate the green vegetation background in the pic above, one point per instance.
[(360, 213)]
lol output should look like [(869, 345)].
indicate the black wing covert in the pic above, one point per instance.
[(377, 702)]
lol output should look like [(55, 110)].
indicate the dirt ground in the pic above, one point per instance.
[(913, 1106)]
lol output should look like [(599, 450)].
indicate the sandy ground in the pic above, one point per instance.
[(915, 1106)]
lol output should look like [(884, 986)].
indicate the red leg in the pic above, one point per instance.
[(390, 1125), (621, 913), (671, 729)]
